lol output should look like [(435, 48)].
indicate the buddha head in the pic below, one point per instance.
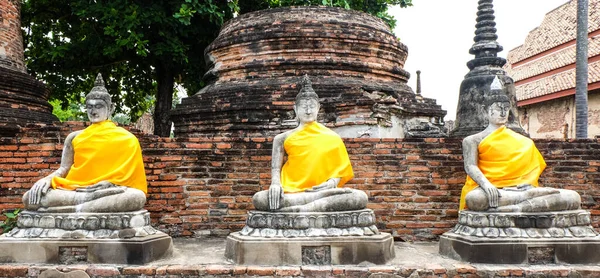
[(307, 102), (98, 104), (497, 104)]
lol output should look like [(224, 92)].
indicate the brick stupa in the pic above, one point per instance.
[(23, 99), (353, 60)]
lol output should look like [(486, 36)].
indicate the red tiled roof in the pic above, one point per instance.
[(552, 70), (555, 60), (558, 27), (555, 83)]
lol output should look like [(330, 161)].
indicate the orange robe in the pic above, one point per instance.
[(104, 152), (506, 158), (315, 154)]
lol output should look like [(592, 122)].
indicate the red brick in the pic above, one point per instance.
[(199, 146), (13, 271), (219, 269), (464, 269), (161, 270), (337, 270), (288, 271), (260, 270), (223, 146), (139, 270), (239, 269)]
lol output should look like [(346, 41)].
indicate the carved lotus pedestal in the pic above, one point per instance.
[(321, 238), (115, 238), (521, 238)]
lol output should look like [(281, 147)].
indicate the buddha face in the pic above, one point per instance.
[(307, 110), (97, 110), (498, 113)]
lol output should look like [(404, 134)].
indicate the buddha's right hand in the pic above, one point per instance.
[(492, 193), (38, 189), (275, 195)]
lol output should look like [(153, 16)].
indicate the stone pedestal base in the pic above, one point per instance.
[(522, 238), (65, 238), (249, 250), (520, 251), (136, 250)]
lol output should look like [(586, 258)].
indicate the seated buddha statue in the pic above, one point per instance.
[(317, 166), (503, 168), (101, 169)]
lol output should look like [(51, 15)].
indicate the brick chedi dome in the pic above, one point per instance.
[(23, 99), (353, 60)]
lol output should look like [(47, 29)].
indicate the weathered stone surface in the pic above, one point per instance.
[(279, 224), (516, 238), (561, 224), (475, 88), (352, 58), (33, 224), (136, 250), (376, 249)]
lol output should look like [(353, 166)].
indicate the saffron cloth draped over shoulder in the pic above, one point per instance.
[(315, 154), (506, 158), (105, 152)]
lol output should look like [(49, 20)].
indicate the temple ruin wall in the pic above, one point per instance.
[(556, 118), (204, 186)]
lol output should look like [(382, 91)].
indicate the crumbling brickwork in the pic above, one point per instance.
[(22, 98), (204, 186), (259, 58), (11, 39)]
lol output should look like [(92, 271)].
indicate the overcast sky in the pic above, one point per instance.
[(439, 33)]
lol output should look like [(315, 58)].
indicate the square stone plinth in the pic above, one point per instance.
[(138, 250), (376, 249), (520, 250)]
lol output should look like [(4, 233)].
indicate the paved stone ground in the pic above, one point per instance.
[(204, 258)]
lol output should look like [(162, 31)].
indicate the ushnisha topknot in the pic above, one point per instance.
[(99, 91), (496, 93), (307, 91)]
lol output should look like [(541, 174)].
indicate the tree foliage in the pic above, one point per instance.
[(142, 48)]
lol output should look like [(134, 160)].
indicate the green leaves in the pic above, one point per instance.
[(68, 42), (10, 222)]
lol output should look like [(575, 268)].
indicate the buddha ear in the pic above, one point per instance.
[(112, 108)]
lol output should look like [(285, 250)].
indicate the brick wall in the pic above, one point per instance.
[(204, 186), (11, 39)]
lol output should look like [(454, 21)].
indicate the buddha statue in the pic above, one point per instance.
[(317, 166), (101, 169), (503, 167)]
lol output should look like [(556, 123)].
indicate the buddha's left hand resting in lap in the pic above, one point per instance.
[(101, 168), (317, 166)]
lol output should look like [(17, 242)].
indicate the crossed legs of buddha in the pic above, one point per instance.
[(114, 199), (330, 200), (537, 199)]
